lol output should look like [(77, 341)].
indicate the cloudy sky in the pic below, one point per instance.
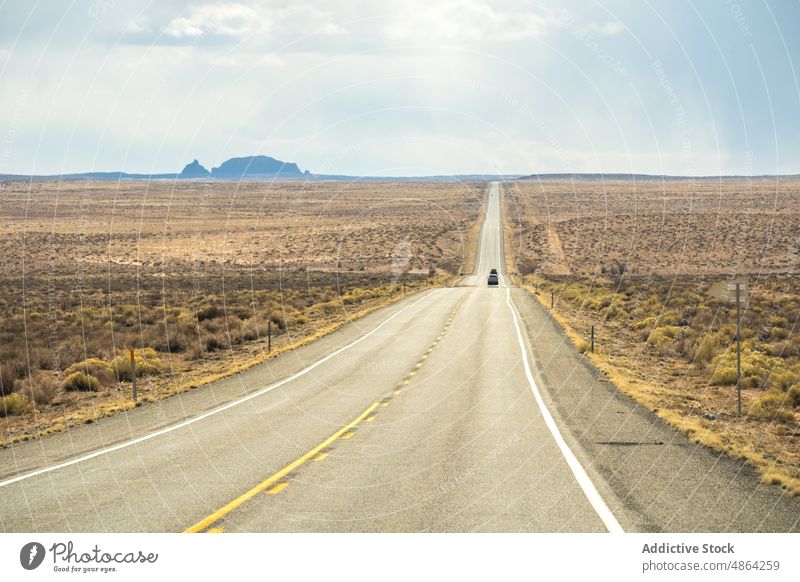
[(402, 87)]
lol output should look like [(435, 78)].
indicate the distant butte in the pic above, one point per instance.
[(194, 170)]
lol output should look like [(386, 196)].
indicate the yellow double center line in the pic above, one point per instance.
[(272, 479), (272, 483)]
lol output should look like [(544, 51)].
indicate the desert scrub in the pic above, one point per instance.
[(81, 382), (771, 406), (40, 387), (11, 369), (794, 395), (96, 367), (705, 349), (665, 338), (645, 325), (758, 370), (147, 363), (14, 404), (582, 346)]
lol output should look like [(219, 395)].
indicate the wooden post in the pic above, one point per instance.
[(552, 299), (269, 336), (738, 353), (592, 338), (133, 374)]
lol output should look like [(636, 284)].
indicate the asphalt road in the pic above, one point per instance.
[(459, 409)]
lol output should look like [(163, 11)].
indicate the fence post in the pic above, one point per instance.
[(738, 354), (133, 373)]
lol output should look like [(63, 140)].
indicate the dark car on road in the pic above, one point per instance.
[(493, 280)]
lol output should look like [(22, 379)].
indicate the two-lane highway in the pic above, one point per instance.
[(430, 415), (420, 419), (457, 444)]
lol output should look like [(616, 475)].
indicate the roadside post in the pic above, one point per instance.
[(738, 349), (592, 338), (133, 373), (552, 299), (269, 336), (734, 290)]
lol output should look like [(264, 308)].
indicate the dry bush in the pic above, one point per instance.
[(666, 339), (96, 367), (81, 382), (758, 369), (11, 370), (14, 404), (794, 395), (147, 363), (212, 342), (39, 387), (705, 349), (255, 328), (770, 406)]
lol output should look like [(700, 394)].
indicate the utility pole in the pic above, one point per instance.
[(738, 351), (133, 374)]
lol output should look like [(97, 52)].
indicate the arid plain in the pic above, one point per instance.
[(196, 276), (642, 262)]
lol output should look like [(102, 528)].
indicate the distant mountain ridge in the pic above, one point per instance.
[(262, 167)]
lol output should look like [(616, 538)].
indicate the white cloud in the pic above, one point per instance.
[(237, 19), (231, 19), (465, 20)]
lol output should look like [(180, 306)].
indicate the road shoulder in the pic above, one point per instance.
[(651, 476)]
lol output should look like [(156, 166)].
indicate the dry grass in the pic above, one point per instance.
[(662, 337), (682, 227), (192, 275)]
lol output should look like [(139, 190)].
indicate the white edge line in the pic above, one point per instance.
[(583, 479), (205, 415)]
